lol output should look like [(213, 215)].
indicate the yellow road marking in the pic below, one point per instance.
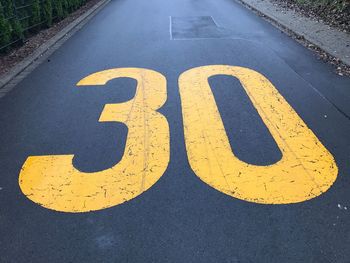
[(306, 169), (54, 183)]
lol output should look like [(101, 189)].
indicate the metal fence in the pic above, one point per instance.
[(20, 18)]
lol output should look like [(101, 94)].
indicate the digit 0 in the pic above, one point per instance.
[(306, 169)]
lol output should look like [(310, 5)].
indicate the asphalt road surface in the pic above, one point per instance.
[(176, 131)]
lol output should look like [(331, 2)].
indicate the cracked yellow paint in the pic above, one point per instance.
[(54, 183), (306, 169)]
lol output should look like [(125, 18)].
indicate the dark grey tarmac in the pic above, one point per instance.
[(180, 219)]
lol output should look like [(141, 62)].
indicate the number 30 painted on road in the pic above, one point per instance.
[(306, 169)]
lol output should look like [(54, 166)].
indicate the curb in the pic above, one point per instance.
[(309, 36), (9, 80)]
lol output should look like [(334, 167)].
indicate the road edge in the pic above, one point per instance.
[(282, 20), (23, 68)]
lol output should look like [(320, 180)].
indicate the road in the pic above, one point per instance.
[(176, 131)]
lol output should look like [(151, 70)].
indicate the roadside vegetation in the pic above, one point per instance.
[(20, 19)]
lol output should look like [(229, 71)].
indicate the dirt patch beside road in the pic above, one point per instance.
[(335, 13)]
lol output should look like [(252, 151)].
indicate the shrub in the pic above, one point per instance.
[(58, 9), (35, 15), (5, 28), (65, 5), (17, 30), (47, 12)]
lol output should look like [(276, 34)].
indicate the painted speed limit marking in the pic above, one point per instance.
[(306, 169)]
